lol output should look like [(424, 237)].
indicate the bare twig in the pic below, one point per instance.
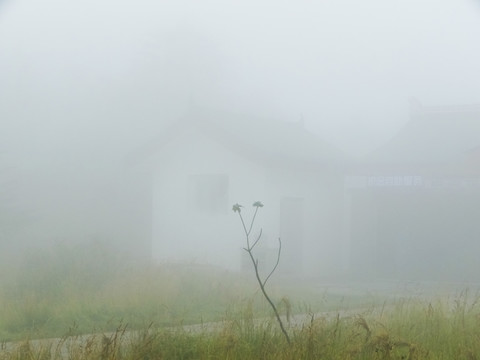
[(276, 264), (249, 250), (256, 241)]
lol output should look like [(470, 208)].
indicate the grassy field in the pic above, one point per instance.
[(88, 288), (141, 313), (408, 329)]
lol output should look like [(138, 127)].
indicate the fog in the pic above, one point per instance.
[(141, 124)]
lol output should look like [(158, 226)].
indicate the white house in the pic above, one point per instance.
[(412, 206), (207, 161)]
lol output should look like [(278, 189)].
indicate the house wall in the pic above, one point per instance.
[(181, 232), (421, 234), (316, 251)]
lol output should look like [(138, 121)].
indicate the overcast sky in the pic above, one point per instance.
[(76, 76)]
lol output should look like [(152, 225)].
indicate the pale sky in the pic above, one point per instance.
[(112, 73)]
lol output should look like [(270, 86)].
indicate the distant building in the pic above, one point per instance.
[(207, 161), (412, 207)]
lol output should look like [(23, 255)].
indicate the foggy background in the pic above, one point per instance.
[(83, 85)]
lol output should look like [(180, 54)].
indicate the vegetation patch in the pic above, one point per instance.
[(406, 329), (136, 312), (88, 289)]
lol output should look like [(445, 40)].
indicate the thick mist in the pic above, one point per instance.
[(139, 125)]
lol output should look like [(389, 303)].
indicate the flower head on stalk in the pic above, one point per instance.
[(237, 208)]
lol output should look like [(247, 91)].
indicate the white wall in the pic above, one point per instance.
[(322, 214), (184, 234), (181, 233)]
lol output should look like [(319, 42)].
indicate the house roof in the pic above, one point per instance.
[(265, 141), (434, 135)]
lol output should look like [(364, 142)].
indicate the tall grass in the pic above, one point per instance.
[(406, 329), (90, 288), (140, 312)]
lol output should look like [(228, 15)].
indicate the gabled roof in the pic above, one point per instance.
[(266, 141), (434, 135)]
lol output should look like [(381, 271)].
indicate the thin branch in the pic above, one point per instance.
[(261, 283), (253, 220), (276, 264), (256, 241), (244, 229), (277, 315), (243, 223)]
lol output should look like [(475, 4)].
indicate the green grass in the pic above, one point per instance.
[(89, 289), (141, 313), (406, 329)]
